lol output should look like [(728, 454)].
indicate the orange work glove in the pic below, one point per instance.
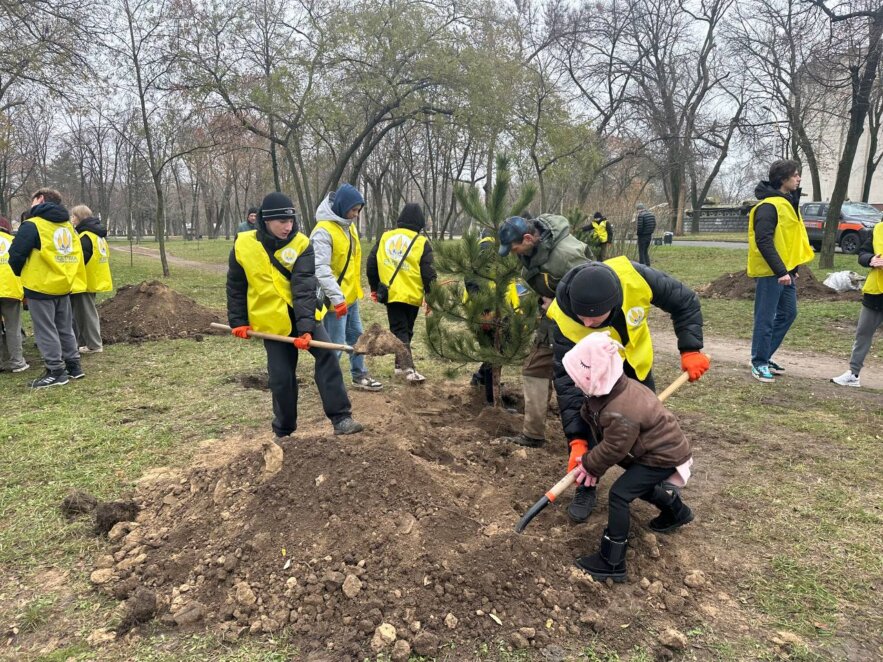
[(241, 332), (340, 310), (578, 448), (374, 297), (694, 363), (303, 342)]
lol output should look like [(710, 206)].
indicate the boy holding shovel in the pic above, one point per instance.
[(272, 288)]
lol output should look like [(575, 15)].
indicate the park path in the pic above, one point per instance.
[(731, 351)]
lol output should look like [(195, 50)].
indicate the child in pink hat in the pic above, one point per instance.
[(631, 428)]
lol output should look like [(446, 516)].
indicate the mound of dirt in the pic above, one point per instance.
[(398, 541), (740, 286), (153, 311)]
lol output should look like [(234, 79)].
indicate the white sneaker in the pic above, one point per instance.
[(22, 369), (86, 350), (399, 371), (414, 376), (847, 379)]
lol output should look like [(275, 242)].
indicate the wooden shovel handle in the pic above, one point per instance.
[(318, 344)]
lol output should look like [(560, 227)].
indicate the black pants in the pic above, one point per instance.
[(401, 318), (644, 248), (638, 482), (282, 368)]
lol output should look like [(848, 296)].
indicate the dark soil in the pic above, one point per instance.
[(740, 286), (109, 513), (377, 341), (78, 503), (259, 380), (153, 311)]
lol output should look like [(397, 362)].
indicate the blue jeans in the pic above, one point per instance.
[(347, 330), (775, 309)]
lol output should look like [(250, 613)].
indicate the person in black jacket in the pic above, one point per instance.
[(259, 258), (616, 296), (646, 226)]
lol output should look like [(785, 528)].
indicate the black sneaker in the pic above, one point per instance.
[(524, 440), (347, 426), (50, 378), (75, 371), (583, 504)]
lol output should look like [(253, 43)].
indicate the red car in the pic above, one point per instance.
[(854, 217)]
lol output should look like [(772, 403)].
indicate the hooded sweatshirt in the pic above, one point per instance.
[(342, 200), (90, 224), (28, 239), (411, 218), (765, 221)]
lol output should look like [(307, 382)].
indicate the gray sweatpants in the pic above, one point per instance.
[(53, 331), (11, 356), (87, 326), (868, 322)]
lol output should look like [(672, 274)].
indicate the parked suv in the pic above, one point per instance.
[(854, 217)]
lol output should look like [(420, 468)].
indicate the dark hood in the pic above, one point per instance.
[(92, 224), (766, 190), (411, 218), (50, 211)]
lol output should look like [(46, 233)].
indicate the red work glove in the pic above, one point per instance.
[(694, 363), (303, 342), (340, 310), (241, 332), (374, 297), (578, 448)]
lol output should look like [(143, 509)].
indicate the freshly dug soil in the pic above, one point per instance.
[(740, 286), (408, 526), (109, 513), (78, 503), (377, 341), (153, 311)]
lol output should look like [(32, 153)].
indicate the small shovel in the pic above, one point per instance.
[(318, 344), (567, 481)]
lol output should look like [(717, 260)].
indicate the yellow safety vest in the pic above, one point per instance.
[(269, 292), (351, 283), (98, 277), (790, 239), (599, 229), (10, 284), (53, 269), (874, 283), (636, 297), (408, 285)]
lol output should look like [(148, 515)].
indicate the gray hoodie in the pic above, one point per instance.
[(322, 246)]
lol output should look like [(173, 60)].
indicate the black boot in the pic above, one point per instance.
[(607, 562), (674, 512), (582, 505)]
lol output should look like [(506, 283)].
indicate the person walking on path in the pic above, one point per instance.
[(616, 296), (777, 246), (272, 288), (644, 228), (47, 254), (636, 431), (11, 295), (96, 265), (406, 273), (870, 254)]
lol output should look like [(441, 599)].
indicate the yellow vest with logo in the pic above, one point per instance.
[(53, 269), (98, 277), (874, 283), (599, 229), (10, 284), (408, 285), (790, 239), (636, 297), (351, 283), (269, 292)]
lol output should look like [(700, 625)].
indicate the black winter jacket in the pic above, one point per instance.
[(668, 294), (304, 286), (865, 253), (91, 224), (646, 224), (427, 269), (27, 239), (765, 221)]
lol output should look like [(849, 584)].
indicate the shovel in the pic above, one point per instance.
[(318, 344), (567, 481)]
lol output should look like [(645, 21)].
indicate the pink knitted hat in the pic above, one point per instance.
[(594, 364)]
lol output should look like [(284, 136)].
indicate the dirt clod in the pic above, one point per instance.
[(140, 608), (77, 503), (109, 513), (377, 341)]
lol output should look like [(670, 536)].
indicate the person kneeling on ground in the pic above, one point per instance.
[(272, 288), (635, 431)]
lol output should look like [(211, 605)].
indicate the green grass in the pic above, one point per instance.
[(213, 251)]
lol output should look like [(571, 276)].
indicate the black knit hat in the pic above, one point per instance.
[(595, 290), (411, 217), (276, 206), (253, 210), (598, 215)]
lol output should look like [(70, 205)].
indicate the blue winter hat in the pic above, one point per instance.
[(344, 199), (512, 230)]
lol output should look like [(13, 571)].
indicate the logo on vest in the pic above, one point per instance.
[(4, 248), (288, 255), (396, 246), (63, 240), (102, 247), (635, 316)]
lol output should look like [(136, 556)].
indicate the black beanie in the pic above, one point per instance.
[(595, 290), (411, 217), (275, 206), (253, 210), (598, 215)]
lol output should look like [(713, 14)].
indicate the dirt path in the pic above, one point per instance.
[(811, 365), (177, 261)]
